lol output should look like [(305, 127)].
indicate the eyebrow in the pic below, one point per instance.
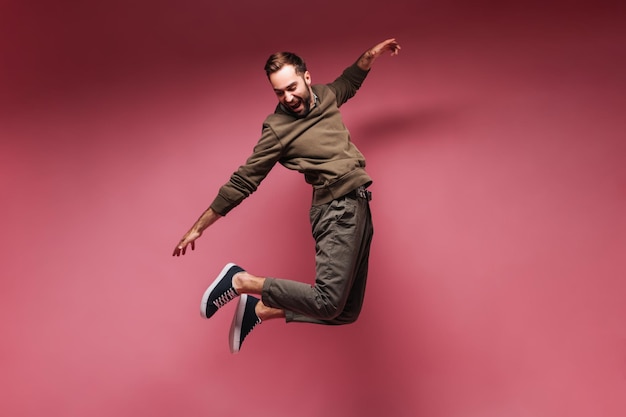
[(278, 90)]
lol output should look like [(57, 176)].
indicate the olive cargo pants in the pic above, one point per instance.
[(343, 232)]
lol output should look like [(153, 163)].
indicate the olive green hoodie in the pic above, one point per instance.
[(317, 145)]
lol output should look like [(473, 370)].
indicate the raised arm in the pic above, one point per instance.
[(366, 60)]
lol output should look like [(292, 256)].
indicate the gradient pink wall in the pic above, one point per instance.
[(496, 140)]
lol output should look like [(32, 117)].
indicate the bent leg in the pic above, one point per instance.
[(342, 230), (353, 305)]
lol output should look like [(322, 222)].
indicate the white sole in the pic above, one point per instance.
[(207, 293), (235, 327)]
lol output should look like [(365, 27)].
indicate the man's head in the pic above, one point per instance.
[(291, 82)]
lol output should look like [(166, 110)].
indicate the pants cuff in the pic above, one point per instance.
[(266, 298)]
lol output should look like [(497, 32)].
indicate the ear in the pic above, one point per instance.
[(307, 78)]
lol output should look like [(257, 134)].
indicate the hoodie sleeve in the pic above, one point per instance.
[(347, 84), (249, 176)]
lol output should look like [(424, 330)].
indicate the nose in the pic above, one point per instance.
[(288, 97)]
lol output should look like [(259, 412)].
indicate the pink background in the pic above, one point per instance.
[(496, 141)]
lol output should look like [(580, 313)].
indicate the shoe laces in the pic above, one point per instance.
[(225, 298)]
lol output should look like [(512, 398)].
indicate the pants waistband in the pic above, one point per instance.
[(361, 192)]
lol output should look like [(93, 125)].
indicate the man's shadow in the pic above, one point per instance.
[(416, 124)]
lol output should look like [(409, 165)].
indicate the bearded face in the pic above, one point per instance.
[(293, 90)]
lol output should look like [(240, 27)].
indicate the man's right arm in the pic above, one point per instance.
[(242, 183), (206, 219)]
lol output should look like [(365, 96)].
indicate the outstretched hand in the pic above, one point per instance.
[(188, 240), (206, 219), (367, 59)]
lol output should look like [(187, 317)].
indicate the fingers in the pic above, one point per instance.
[(193, 247), (387, 45), (181, 249), (396, 48), (393, 46), (188, 240), (369, 56)]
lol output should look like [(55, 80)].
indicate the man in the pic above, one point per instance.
[(305, 133)]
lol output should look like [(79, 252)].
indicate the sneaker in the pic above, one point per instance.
[(220, 292), (244, 321)]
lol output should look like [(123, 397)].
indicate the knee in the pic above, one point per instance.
[(339, 313), (347, 317), (336, 309), (328, 311)]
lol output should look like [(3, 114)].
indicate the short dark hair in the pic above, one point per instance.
[(279, 59)]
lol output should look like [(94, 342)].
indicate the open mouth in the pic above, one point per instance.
[(295, 105)]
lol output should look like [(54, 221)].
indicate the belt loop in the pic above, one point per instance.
[(364, 193)]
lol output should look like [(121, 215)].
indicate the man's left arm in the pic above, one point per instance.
[(347, 84), (366, 60)]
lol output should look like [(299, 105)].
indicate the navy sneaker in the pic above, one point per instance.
[(244, 321), (220, 292)]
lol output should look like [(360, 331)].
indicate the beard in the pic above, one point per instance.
[(306, 105)]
